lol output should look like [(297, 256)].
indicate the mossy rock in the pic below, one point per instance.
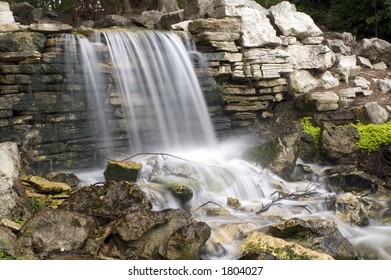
[(181, 188), (122, 171)]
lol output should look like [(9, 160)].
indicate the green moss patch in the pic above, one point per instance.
[(310, 129)]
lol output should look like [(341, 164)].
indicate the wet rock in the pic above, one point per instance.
[(51, 230), (375, 49), (316, 234), (279, 155), (168, 234), (107, 202), (338, 141), (233, 203), (216, 211), (293, 23), (348, 179), (351, 209), (182, 188), (122, 171), (259, 245), (13, 198)]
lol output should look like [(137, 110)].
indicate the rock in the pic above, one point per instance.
[(384, 85), (6, 15), (311, 57), (375, 49), (122, 171), (181, 26), (351, 209), (229, 8), (315, 234), (110, 201), (361, 82), (68, 178), (216, 212), (318, 101), (9, 27), (347, 68), (45, 186), (198, 9), (11, 225), (50, 28), (165, 6), (233, 203), (346, 37), (110, 21), (261, 246), (22, 41), (148, 19), (168, 234), (167, 20), (279, 155), (327, 80), (339, 141), (364, 62), (379, 66), (302, 81), (376, 113), (215, 25), (22, 10), (257, 30), (350, 180), (7, 241), (54, 230), (338, 46), (182, 188), (293, 23), (13, 199), (317, 40)]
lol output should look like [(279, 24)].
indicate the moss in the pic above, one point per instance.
[(263, 154), (6, 256), (311, 130), (373, 136)]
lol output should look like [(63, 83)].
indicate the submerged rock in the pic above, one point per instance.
[(352, 209)]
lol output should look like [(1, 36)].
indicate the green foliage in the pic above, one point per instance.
[(373, 136), (181, 3), (6, 256), (310, 129)]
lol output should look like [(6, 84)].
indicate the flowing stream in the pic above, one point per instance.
[(162, 109)]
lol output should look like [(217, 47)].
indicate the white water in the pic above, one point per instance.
[(164, 112)]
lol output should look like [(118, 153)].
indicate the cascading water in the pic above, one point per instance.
[(162, 109)]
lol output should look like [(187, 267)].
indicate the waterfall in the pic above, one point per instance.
[(161, 105)]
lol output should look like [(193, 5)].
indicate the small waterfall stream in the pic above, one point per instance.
[(163, 110)]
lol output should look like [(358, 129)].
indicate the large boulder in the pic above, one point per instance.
[(53, 230), (198, 9), (316, 234), (376, 113), (279, 155), (302, 81), (108, 202), (6, 16), (375, 49), (149, 19), (293, 23), (339, 141), (111, 20), (168, 234), (22, 41), (122, 171), (13, 199), (315, 57)]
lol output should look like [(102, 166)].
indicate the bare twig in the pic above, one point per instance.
[(206, 203)]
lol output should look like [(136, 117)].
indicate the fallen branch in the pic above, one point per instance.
[(206, 203)]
